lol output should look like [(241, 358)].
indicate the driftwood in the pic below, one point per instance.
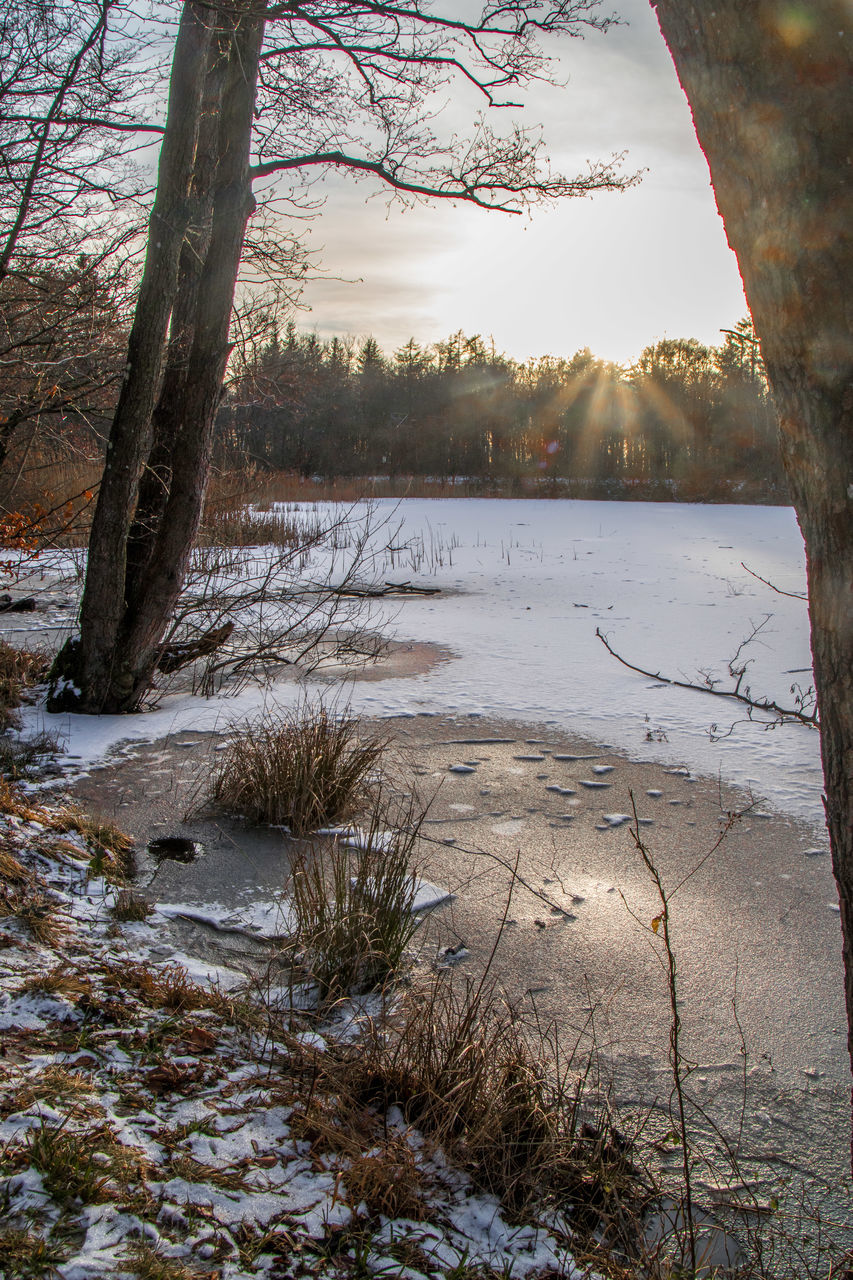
[(387, 589), (737, 694), (179, 654)]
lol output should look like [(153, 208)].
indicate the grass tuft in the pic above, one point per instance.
[(112, 849), (57, 981), (52, 1084), (306, 770), (169, 987), (353, 907), (26, 1255), (147, 1263), (89, 1166), (34, 909), (458, 1063), (131, 907), (11, 870)]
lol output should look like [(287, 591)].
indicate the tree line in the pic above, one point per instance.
[(685, 420)]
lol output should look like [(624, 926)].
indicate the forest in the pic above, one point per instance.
[(686, 420)]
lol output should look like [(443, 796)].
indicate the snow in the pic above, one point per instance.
[(524, 585), (232, 1126)]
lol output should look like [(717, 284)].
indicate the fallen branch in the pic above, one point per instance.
[(794, 595), (769, 705), (177, 655), (387, 589)]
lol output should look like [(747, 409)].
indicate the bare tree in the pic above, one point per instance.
[(769, 87), (65, 91), (257, 92)]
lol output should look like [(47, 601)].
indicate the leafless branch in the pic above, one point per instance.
[(793, 595), (798, 713)]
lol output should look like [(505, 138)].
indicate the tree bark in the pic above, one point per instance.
[(187, 408), (84, 668), (196, 240), (769, 88)]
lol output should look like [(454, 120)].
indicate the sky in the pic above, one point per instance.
[(613, 272)]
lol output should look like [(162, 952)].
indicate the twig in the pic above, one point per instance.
[(661, 923), (755, 704), (794, 595)]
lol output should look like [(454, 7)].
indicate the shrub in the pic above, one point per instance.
[(305, 770)]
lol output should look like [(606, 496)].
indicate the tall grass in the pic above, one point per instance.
[(354, 905)]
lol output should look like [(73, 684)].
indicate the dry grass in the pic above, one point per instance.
[(353, 907), (305, 770), (25, 757), (147, 1263), (89, 1165), (131, 907), (161, 988), (14, 803), (112, 849), (11, 870), (34, 909), (25, 1255), (245, 527), (52, 1084), (381, 1174), (57, 981), (228, 1177), (458, 1063), (20, 669)]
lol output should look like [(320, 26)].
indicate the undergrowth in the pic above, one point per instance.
[(20, 669)]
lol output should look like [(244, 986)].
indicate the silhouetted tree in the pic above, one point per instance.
[(296, 89), (769, 88)]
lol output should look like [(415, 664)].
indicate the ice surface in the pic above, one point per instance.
[(664, 581)]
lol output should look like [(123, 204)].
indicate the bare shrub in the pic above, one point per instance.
[(283, 587), (304, 769)]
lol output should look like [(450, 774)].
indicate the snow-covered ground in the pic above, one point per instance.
[(142, 1128), (525, 584)]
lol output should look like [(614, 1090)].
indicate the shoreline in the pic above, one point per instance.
[(753, 924)]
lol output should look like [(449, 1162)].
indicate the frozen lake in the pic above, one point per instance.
[(524, 585), (532, 580)]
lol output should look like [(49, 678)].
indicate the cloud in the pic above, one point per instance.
[(612, 272)]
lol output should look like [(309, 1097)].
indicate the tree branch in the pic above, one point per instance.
[(793, 595), (90, 122), (600, 177), (809, 718)]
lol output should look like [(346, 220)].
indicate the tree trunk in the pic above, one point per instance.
[(129, 597), (89, 664), (188, 406), (769, 87)]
